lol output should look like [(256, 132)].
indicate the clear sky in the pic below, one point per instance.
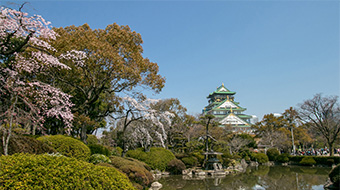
[(273, 54)]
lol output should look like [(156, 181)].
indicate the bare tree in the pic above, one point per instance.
[(323, 115)]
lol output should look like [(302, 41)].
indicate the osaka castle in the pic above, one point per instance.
[(228, 112)]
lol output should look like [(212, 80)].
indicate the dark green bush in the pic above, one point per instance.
[(99, 158), (309, 161), (175, 166), (157, 158), (137, 171), (99, 149), (189, 161), (283, 158), (26, 171), (320, 160), (334, 176), (92, 139), (26, 144), (67, 146), (272, 154), (259, 157)]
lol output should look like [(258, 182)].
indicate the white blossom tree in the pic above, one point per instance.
[(139, 123), (25, 58)]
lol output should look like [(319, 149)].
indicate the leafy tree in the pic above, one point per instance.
[(26, 56), (115, 65), (323, 115)]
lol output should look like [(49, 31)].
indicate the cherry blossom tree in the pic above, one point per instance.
[(26, 57), (140, 123)]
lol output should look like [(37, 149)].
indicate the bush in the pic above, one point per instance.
[(320, 160), (309, 161), (283, 158), (99, 149), (26, 144), (189, 161), (260, 157), (272, 154), (99, 158), (137, 171), (25, 171), (334, 176), (92, 139), (67, 146), (157, 158), (117, 151), (175, 166)]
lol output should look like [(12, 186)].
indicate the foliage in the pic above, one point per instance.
[(99, 158), (259, 157), (320, 160), (272, 154), (283, 158), (157, 158), (25, 171), (26, 57), (175, 166), (26, 144), (334, 176), (308, 161), (92, 139), (138, 172), (115, 65), (322, 114), (99, 149), (67, 146), (190, 161), (117, 151)]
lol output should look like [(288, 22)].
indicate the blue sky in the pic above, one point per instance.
[(273, 54)]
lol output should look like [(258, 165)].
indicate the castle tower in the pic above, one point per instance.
[(227, 111)]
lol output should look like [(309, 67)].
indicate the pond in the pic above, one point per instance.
[(255, 178)]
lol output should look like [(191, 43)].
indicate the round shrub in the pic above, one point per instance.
[(26, 144), (260, 157), (307, 161), (175, 166), (272, 154), (334, 176), (92, 139), (157, 158), (67, 146), (190, 161), (283, 158), (99, 158), (26, 171), (117, 151), (138, 172), (99, 149)]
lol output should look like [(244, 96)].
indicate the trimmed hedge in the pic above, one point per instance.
[(99, 149), (320, 160), (176, 166), (259, 157), (137, 171), (26, 171), (157, 158), (272, 154), (26, 144), (190, 161), (309, 161), (67, 146)]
